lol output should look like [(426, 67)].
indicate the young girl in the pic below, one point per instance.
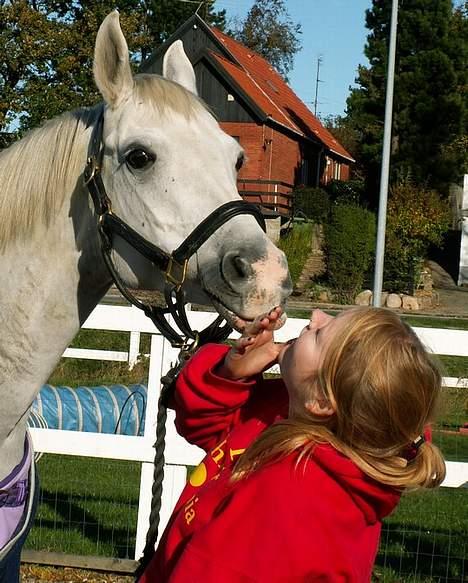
[(300, 471)]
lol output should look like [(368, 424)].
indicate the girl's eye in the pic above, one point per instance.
[(140, 159)]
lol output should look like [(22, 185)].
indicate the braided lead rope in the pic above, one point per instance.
[(158, 475), (167, 391)]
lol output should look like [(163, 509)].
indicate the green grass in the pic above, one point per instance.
[(87, 507), (426, 538), (296, 246), (74, 372)]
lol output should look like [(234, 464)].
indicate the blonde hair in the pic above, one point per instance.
[(384, 388)]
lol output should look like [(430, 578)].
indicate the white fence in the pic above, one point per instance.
[(179, 454)]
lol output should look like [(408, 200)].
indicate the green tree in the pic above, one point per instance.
[(348, 136), (46, 51), (269, 31), (417, 217), (430, 101), (46, 56)]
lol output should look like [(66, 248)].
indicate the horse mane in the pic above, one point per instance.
[(38, 171)]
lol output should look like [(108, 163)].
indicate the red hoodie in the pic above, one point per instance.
[(319, 521)]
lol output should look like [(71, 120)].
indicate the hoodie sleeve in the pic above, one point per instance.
[(207, 406)]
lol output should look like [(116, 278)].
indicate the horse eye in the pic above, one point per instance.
[(140, 159), (240, 162)]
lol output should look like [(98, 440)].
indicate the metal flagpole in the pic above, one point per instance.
[(382, 217)]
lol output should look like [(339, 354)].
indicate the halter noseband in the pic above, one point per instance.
[(173, 265)]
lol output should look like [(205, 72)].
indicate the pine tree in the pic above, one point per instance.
[(430, 102)]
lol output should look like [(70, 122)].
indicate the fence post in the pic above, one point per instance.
[(134, 349)]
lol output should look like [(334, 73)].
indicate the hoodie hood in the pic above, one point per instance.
[(375, 500)]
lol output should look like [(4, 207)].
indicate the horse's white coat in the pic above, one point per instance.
[(53, 276)]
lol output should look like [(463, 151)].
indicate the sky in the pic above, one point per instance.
[(332, 29)]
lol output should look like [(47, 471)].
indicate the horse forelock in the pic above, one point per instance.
[(38, 171), (166, 96)]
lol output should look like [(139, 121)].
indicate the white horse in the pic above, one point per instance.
[(166, 166)]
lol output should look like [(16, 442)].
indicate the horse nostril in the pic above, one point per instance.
[(235, 269), (242, 266)]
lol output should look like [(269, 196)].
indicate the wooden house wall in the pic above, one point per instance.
[(226, 104)]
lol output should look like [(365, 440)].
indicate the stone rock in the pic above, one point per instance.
[(383, 298), (393, 301), (440, 278), (364, 298), (409, 303)]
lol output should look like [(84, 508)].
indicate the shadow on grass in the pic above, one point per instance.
[(95, 532), (439, 554)]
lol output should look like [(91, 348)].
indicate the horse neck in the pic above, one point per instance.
[(55, 279)]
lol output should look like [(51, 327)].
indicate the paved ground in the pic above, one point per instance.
[(453, 301)]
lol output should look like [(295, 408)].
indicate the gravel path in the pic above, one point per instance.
[(44, 574)]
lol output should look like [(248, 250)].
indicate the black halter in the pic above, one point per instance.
[(173, 265)]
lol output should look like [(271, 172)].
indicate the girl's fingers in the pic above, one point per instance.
[(243, 343), (264, 322)]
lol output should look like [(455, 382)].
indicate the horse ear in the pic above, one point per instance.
[(177, 67), (112, 71)]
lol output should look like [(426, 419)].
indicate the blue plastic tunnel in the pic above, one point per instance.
[(116, 409)]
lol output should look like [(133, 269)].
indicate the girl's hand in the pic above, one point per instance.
[(255, 350)]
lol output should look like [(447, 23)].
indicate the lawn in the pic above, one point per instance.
[(89, 507)]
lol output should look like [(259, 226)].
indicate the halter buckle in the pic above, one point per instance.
[(176, 272), (90, 170)]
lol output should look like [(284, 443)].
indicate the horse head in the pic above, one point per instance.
[(166, 166)]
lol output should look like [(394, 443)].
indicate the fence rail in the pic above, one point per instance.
[(273, 195), (179, 453)]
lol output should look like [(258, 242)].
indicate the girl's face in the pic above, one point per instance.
[(300, 359)]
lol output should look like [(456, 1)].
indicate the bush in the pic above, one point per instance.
[(350, 242), (346, 192), (312, 203), (416, 218)]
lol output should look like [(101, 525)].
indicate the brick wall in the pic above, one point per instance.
[(270, 154)]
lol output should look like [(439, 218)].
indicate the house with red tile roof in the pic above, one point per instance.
[(285, 144)]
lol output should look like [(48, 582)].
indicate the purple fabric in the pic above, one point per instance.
[(13, 495)]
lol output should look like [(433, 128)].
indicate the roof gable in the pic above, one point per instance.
[(256, 80), (266, 86)]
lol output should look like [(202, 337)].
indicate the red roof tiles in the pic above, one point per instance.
[(258, 79)]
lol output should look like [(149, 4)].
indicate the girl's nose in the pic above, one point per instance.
[(319, 318)]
